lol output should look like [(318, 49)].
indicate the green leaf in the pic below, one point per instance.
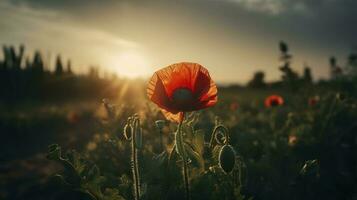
[(198, 142), (54, 152), (195, 157), (112, 194)]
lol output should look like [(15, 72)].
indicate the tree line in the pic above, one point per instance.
[(292, 80), (30, 78)]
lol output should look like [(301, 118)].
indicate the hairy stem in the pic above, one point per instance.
[(185, 179), (181, 150), (161, 141), (135, 165)]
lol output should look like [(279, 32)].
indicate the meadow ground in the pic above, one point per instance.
[(295, 151)]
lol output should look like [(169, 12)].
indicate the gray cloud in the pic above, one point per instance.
[(316, 21), (315, 28), (335, 18)]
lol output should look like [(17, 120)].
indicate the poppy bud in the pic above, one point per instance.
[(341, 96), (310, 168), (226, 158), (54, 152), (109, 108), (160, 124)]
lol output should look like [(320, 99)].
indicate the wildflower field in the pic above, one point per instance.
[(249, 143), (178, 100)]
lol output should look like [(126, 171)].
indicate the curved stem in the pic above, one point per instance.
[(214, 134), (182, 152)]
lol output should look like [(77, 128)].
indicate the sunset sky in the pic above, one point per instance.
[(232, 38)]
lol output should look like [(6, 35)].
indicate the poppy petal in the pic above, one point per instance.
[(182, 87), (157, 93), (176, 117), (273, 100), (209, 98), (202, 82), (179, 75)]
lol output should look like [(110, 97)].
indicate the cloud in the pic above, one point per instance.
[(46, 29), (269, 6), (34, 21), (169, 29), (280, 7)]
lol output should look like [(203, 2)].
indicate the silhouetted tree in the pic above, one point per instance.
[(2, 63), (69, 67), (35, 83), (93, 72), (11, 59), (59, 66), (307, 78), (28, 64), (352, 63), (18, 58), (257, 80), (335, 70), (289, 76), (7, 57), (37, 64)]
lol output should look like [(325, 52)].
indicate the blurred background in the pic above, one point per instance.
[(60, 59)]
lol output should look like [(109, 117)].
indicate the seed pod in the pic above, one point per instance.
[(226, 158), (110, 108)]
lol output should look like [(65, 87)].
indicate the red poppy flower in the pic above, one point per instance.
[(182, 87), (234, 106), (274, 100), (313, 100)]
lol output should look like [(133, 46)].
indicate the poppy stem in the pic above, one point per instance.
[(161, 141), (185, 175), (182, 152), (134, 158)]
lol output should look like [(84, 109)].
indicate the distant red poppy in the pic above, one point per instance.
[(233, 106), (274, 100), (182, 87), (313, 100), (72, 117)]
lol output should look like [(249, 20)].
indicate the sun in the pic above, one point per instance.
[(129, 64)]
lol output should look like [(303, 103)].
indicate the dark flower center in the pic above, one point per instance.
[(182, 95), (274, 102)]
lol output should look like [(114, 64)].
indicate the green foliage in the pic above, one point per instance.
[(81, 175), (295, 149)]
